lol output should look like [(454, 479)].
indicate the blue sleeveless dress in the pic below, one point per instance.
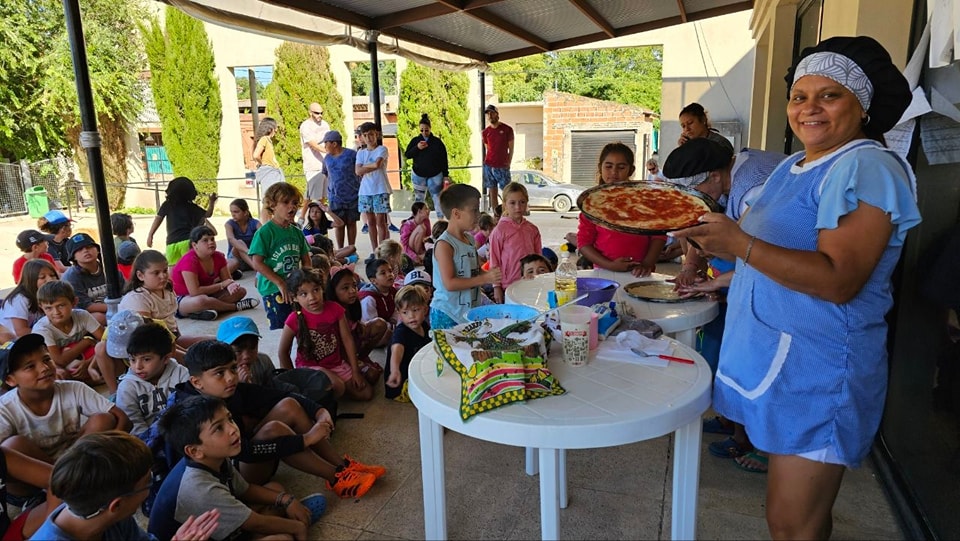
[(801, 373)]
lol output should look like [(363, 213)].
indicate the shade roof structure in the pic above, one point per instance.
[(465, 33)]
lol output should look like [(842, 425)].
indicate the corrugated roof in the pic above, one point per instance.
[(492, 30)]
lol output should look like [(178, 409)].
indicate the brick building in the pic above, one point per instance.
[(576, 128)]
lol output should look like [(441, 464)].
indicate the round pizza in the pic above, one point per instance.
[(644, 207), (655, 292)]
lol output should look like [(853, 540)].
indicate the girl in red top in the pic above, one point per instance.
[(323, 336), (612, 250), (202, 282)]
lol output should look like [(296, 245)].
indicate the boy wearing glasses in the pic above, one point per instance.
[(312, 131), (102, 481)]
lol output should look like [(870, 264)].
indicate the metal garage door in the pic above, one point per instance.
[(585, 147)]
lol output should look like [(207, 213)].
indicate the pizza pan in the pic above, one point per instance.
[(711, 204), (645, 291)]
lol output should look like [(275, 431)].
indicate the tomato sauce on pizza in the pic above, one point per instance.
[(644, 206)]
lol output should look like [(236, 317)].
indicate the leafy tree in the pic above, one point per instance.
[(243, 86), (39, 110), (630, 75), (441, 95), (187, 95), (361, 80), (301, 76)]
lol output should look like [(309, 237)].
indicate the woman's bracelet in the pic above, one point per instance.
[(746, 257)]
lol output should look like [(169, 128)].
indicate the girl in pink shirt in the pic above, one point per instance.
[(512, 239), (414, 232), (612, 250)]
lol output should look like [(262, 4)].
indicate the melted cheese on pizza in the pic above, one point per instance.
[(645, 207)]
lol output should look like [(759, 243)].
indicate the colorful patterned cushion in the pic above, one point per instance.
[(499, 362)]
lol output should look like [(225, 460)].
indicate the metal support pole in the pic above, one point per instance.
[(254, 105), (90, 140), (375, 75), (483, 124)]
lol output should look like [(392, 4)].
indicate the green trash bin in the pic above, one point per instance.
[(37, 202)]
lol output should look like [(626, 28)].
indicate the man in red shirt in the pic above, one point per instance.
[(498, 153)]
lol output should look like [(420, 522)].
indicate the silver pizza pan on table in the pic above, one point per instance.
[(645, 185)]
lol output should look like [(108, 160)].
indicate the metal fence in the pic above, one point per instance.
[(11, 190), (53, 174)]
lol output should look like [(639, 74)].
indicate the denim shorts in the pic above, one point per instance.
[(277, 310), (347, 214), (498, 175), (377, 204)]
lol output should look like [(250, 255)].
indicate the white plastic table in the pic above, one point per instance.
[(607, 404), (677, 319)]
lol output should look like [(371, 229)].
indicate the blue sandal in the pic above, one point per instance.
[(728, 448), (316, 504)]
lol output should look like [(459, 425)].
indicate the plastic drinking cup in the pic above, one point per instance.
[(575, 330)]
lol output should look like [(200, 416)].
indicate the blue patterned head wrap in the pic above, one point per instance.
[(839, 68)]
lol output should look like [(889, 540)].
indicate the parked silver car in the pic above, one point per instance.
[(547, 192)]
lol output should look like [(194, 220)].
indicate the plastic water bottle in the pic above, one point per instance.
[(565, 278)]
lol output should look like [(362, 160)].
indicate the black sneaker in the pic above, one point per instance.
[(204, 315), (237, 274), (247, 304)]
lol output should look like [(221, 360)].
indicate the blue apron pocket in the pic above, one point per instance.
[(759, 352)]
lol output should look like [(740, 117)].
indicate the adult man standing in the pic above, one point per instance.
[(498, 153), (312, 131)]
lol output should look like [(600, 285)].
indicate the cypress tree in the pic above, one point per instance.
[(187, 96), (301, 76), (441, 95)]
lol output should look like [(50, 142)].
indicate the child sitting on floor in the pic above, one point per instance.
[(201, 429), (392, 252), (367, 335), (273, 426), (414, 231), (377, 297), (257, 368), (86, 276), (411, 334), (324, 341), (102, 480), (152, 377), (41, 417), (71, 334), (33, 244)]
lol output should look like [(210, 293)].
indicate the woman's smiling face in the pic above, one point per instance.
[(823, 115)]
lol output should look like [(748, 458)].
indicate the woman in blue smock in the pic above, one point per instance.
[(804, 365)]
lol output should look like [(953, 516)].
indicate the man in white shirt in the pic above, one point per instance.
[(653, 170), (312, 131)]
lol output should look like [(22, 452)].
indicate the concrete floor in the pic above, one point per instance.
[(615, 493)]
